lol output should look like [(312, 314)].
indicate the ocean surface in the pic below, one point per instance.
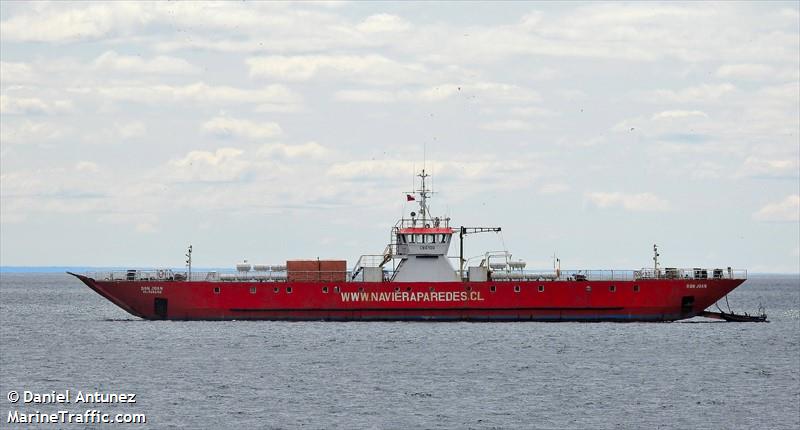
[(56, 335)]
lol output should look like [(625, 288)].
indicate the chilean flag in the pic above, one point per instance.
[(410, 198)]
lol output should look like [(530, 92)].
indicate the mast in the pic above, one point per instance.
[(189, 263), (655, 260), (424, 193)]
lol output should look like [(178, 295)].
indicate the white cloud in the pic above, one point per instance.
[(86, 166), (382, 23), (555, 188), (631, 202), (369, 69), (131, 129), (112, 61), (768, 167), (672, 114), (232, 127), (50, 23), (16, 73), (34, 106), (703, 93), (533, 111), (366, 96), (222, 165), (201, 92), (506, 125), (786, 210), (142, 222), (117, 132), (31, 132), (478, 92), (745, 71), (484, 173), (308, 150)]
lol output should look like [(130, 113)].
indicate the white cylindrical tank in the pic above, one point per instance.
[(497, 265), (261, 267), (519, 264), (278, 268), (499, 275), (243, 267)]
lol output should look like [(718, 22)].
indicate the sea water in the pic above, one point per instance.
[(56, 335)]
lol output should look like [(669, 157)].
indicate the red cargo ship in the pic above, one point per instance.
[(413, 279)]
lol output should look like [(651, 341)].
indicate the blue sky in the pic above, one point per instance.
[(270, 131)]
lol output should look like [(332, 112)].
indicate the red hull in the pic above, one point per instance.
[(638, 300)]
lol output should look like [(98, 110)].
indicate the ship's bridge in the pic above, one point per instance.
[(423, 240), (418, 246)]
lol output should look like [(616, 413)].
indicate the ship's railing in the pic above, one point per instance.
[(219, 276), (137, 275), (435, 222), (691, 273), (346, 276), (616, 275)]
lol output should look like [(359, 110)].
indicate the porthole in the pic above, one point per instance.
[(588, 288), (289, 290), (468, 288), (360, 289), (541, 288), (493, 288), (396, 289), (336, 289), (252, 290), (408, 289), (325, 290), (635, 288), (275, 290), (516, 288), (430, 289), (612, 288), (216, 290)]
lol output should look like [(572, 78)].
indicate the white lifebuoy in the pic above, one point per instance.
[(161, 274)]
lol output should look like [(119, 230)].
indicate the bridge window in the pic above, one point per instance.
[(444, 238), (402, 238), (417, 238), (433, 238)]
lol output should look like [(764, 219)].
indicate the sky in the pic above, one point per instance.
[(272, 131)]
